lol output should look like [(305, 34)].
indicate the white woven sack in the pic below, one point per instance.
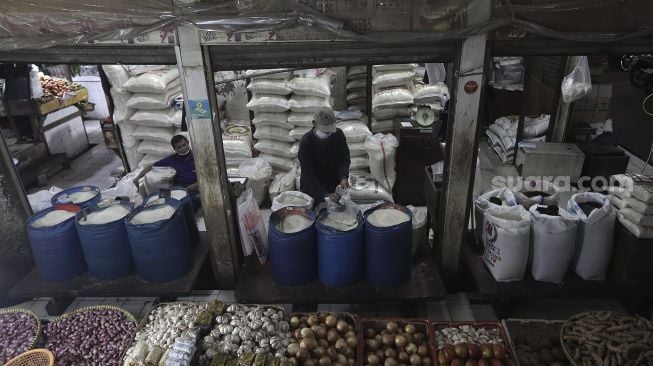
[(291, 199), (390, 112), (282, 182), (153, 100), (233, 171), (381, 151), (273, 133), (435, 92), (534, 127), (392, 97), (639, 206), (392, 67), (389, 79), (354, 131), (595, 236), (271, 119), (354, 71), (153, 82), (617, 202), (258, 171), (149, 159), (274, 147), (319, 86), (382, 125), (506, 241), (157, 118), (357, 84), (301, 119), (298, 132), (364, 188), (161, 134), (278, 162), (642, 232), (237, 143), (308, 104), (127, 135), (266, 86), (268, 103), (159, 178), (357, 149), (554, 243), (155, 148), (117, 74), (133, 158), (359, 163), (275, 74), (135, 70), (120, 98), (356, 95)]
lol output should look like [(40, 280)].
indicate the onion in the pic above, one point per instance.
[(392, 327), (17, 332)]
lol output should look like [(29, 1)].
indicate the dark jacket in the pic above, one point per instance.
[(324, 163)]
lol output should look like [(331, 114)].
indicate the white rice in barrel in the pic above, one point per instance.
[(154, 215), (53, 218), (105, 216), (386, 217), (293, 224)]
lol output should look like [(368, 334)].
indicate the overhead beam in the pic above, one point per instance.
[(94, 54)]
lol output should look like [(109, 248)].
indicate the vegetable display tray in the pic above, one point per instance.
[(437, 326), (378, 324), (39, 327), (350, 318), (536, 325)]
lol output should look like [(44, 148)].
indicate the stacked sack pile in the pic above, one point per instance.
[(237, 145), (354, 125), (632, 195), (393, 88), (508, 73), (502, 134), (357, 87), (142, 97)]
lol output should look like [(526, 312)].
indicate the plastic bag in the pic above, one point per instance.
[(298, 119), (291, 199), (282, 182), (117, 74), (40, 200), (258, 171), (381, 150), (343, 214), (154, 100), (155, 148), (272, 119), (252, 228), (390, 79), (505, 238), (278, 162), (578, 83), (159, 178)]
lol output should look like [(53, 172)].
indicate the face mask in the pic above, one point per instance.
[(185, 152), (322, 135)]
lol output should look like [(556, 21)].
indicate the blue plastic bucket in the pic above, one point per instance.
[(340, 254), (292, 256), (64, 197)]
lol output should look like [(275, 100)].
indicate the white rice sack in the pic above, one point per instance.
[(159, 178), (178, 194), (276, 74), (153, 82), (319, 86), (154, 100), (639, 206), (364, 188), (538, 126), (617, 202), (273, 133), (274, 147), (273, 87), (394, 67), (637, 218), (155, 148), (391, 112), (354, 132), (282, 182), (298, 132), (356, 95), (237, 141), (301, 119), (432, 92), (506, 240), (348, 114), (272, 119), (291, 199), (53, 218), (642, 232), (359, 163), (390, 79), (120, 98), (105, 216), (161, 134), (168, 117), (308, 104), (381, 151), (154, 215), (135, 70), (386, 217), (259, 172), (127, 134), (355, 71), (268, 103), (357, 149), (149, 159), (293, 224), (233, 171), (357, 84), (116, 74), (382, 125), (278, 162), (392, 97)]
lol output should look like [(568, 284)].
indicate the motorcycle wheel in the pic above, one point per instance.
[(638, 76)]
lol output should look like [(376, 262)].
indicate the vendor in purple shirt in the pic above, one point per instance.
[(182, 162)]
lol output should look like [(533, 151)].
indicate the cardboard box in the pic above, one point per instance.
[(544, 159)]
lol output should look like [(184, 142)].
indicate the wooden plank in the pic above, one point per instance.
[(132, 285), (128, 54), (255, 285), (59, 103)]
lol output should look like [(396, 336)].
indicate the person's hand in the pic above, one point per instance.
[(192, 189), (344, 183), (334, 197)]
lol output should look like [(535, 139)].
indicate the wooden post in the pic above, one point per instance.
[(462, 133), (204, 127)]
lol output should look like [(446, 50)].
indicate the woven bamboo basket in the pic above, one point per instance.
[(39, 328), (36, 357)]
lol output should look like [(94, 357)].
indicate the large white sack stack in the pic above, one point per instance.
[(357, 87), (353, 124), (237, 144), (502, 134), (393, 87)]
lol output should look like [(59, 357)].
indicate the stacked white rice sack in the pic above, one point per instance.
[(357, 87), (393, 87), (142, 97), (502, 134), (237, 145), (633, 197), (353, 124)]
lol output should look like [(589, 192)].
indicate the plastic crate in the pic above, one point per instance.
[(379, 323), (535, 322), (437, 326)]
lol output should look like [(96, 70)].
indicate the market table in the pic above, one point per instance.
[(132, 285), (255, 285)]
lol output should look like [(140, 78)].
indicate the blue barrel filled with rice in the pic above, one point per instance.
[(292, 246), (159, 241), (55, 245), (83, 197), (182, 196), (388, 242), (105, 244), (340, 247)]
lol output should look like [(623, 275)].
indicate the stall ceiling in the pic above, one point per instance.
[(328, 53), (557, 47), (94, 54)]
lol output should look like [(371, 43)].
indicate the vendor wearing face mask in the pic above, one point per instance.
[(324, 158), (182, 162)]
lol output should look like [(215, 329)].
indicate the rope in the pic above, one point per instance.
[(385, 168)]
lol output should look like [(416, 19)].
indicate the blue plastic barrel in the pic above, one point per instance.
[(64, 196), (56, 249), (340, 254), (189, 214), (293, 257), (388, 250), (161, 250), (105, 246)]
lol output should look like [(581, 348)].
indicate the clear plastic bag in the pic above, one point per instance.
[(578, 83)]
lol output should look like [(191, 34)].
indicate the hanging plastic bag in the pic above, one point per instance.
[(505, 238), (578, 83), (252, 228)]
